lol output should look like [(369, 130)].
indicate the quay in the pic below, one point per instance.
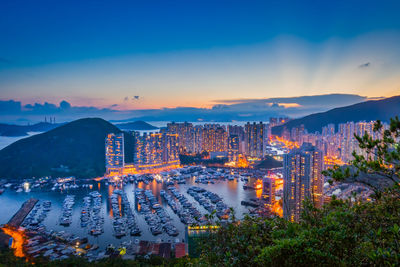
[(19, 217)]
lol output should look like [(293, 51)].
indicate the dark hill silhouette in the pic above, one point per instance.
[(76, 149), (366, 111)]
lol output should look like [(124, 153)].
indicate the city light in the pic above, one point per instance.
[(287, 143), (18, 237)]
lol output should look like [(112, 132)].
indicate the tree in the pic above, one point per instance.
[(342, 233), (380, 157)]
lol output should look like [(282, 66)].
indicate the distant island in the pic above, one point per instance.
[(136, 126), (12, 130)]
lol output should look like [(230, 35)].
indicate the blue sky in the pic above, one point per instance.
[(195, 53)]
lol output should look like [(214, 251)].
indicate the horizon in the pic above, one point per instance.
[(168, 56), (200, 132)]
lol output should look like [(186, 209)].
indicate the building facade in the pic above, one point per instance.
[(115, 154), (155, 150), (302, 180), (255, 139)]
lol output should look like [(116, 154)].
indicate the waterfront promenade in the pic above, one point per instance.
[(19, 217)]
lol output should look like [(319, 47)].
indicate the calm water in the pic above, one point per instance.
[(8, 140), (232, 193)]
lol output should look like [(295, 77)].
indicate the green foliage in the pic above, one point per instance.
[(381, 157), (78, 146), (8, 259), (343, 233)]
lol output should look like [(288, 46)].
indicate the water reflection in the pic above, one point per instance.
[(232, 193)]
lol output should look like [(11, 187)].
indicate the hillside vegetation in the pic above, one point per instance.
[(76, 149)]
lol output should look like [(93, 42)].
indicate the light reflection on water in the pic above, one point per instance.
[(232, 193)]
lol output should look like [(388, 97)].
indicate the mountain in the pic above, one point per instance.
[(383, 110), (136, 126), (75, 149), (22, 130)]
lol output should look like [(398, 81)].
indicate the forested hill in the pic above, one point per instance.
[(76, 149)]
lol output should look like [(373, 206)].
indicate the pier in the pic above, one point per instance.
[(19, 217)]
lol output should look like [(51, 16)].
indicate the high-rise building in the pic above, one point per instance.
[(255, 139), (297, 133), (221, 140), (278, 121), (233, 147), (170, 148), (302, 180), (214, 138), (185, 132), (328, 130), (198, 138), (155, 150), (268, 193), (239, 132), (347, 141), (114, 151)]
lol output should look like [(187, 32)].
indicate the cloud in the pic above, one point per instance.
[(65, 105), (10, 107), (44, 108), (226, 110), (136, 97), (365, 65), (320, 101)]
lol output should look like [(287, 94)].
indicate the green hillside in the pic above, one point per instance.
[(75, 149)]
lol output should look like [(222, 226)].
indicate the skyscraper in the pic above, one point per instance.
[(214, 138), (155, 150), (255, 139), (233, 147), (302, 180), (114, 151), (185, 132), (269, 191)]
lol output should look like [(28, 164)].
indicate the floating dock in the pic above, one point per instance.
[(19, 217)]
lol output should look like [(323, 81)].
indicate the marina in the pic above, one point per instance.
[(137, 212)]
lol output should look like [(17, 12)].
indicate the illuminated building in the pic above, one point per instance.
[(198, 138), (269, 191), (239, 132), (114, 152), (185, 132), (233, 147), (221, 138), (328, 130), (347, 141), (297, 134), (155, 150), (302, 180), (214, 138), (255, 139)]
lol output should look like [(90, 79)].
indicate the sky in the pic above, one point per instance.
[(120, 56)]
